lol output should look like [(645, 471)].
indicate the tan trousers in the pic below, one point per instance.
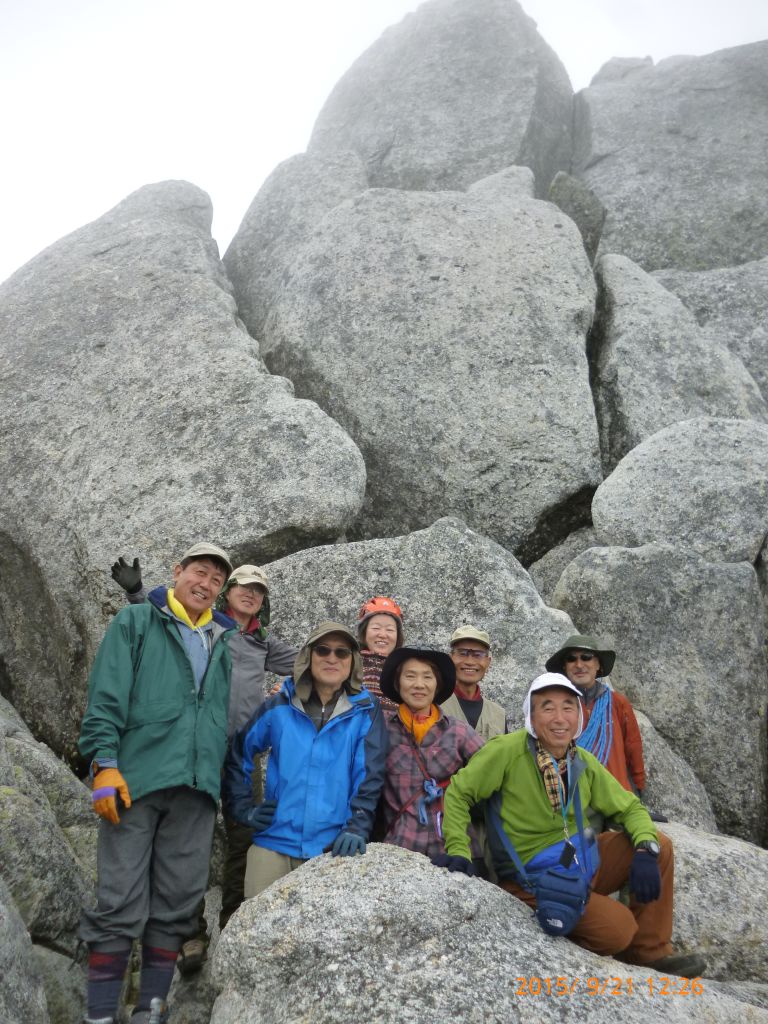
[(642, 930), (263, 867)]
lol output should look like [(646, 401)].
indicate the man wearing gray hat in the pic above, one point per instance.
[(254, 651), (471, 656), (154, 733)]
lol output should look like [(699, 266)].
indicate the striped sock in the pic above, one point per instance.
[(157, 967), (105, 979)]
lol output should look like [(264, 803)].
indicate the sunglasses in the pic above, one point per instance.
[(570, 658), (324, 651), (469, 652)]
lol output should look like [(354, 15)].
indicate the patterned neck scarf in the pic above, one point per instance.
[(555, 780)]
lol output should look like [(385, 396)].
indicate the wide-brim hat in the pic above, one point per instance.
[(301, 666), (422, 652), (582, 642), (548, 681)]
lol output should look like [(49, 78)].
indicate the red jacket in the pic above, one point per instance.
[(625, 761)]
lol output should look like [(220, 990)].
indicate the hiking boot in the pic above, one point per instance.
[(192, 955), (685, 965)]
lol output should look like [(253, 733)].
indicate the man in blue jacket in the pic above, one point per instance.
[(326, 766), (155, 735)]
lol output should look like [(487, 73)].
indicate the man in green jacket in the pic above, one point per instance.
[(537, 772), (155, 734)]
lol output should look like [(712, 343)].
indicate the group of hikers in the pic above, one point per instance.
[(369, 738)]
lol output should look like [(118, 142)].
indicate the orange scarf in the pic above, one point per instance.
[(418, 725)]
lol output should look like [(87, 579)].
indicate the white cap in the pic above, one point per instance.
[(545, 682)]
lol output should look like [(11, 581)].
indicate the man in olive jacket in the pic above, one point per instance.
[(155, 733)]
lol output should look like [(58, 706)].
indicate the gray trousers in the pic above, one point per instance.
[(152, 871)]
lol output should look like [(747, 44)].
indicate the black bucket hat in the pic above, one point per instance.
[(422, 652), (582, 642)]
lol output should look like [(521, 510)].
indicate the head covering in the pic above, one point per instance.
[(301, 667), (582, 642), (242, 575), (422, 652), (380, 605), (245, 574), (205, 550), (469, 632), (546, 682)]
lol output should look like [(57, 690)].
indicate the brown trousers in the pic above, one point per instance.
[(642, 931)]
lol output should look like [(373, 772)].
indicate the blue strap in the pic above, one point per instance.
[(494, 808)]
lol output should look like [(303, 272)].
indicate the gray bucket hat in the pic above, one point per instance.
[(582, 642)]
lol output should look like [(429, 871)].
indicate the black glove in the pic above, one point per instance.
[(444, 860), (645, 877), (347, 844), (127, 577), (260, 818)]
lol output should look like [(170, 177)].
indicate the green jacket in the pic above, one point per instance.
[(143, 707), (507, 764)]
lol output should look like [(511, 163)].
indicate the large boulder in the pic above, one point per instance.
[(729, 304), (22, 996), (287, 210), (446, 333), (139, 418), (691, 641), (458, 90), (547, 570), (45, 879), (702, 483), (388, 937), (672, 788), (64, 981), (721, 892), (676, 153), (442, 577), (653, 365)]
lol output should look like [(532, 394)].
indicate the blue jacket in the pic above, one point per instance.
[(324, 782)]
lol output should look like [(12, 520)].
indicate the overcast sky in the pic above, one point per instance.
[(101, 97)]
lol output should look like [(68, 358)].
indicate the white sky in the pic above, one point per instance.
[(103, 96)]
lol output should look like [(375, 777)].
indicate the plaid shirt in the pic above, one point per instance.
[(448, 746)]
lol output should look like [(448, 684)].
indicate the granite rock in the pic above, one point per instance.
[(721, 891), (488, 297), (64, 982), (458, 90), (22, 996), (547, 570), (729, 305), (583, 207), (341, 941), (137, 407), (692, 659), (702, 483), (652, 365), (288, 210), (676, 153)]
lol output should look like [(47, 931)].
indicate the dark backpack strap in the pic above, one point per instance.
[(494, 813)]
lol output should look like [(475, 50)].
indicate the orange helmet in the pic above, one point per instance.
[(380, 605)]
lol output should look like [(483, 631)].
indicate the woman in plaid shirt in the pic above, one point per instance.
[(426, 747)]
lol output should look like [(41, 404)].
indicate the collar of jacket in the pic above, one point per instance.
[(292, 691), (159, 598)]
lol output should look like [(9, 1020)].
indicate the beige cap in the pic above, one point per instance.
[(471, 633), (245, 574), (201, 549)]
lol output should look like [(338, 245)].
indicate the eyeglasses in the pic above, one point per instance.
[(469, 652), (324, 651), (570, 658)]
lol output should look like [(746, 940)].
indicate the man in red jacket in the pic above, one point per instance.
[(610, 731)]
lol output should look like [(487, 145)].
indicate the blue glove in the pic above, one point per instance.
[(347, 844), (260, 818), (444, 860), (645, 877)]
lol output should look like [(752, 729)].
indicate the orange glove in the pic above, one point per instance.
[(107, 784)]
